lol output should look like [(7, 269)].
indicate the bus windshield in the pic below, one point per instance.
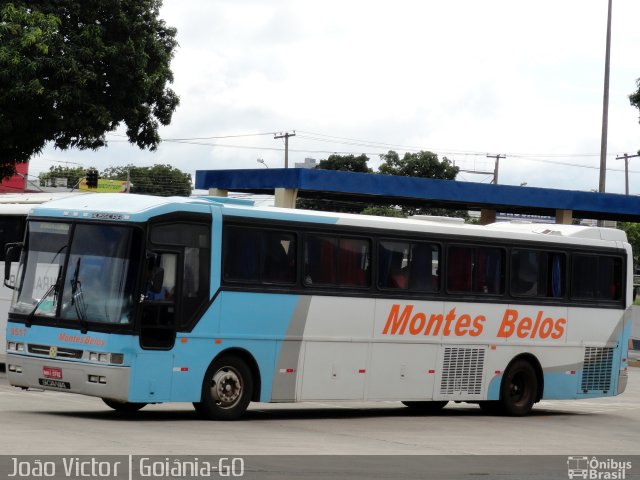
[(77, 273)]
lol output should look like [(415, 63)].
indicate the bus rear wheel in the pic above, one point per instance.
[(123, 407), (426, 406), (519, 389), (226, 390)]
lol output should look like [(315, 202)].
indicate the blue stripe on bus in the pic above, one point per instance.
[(254, 322)]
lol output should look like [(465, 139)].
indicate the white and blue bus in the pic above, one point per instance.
[(220, 303)]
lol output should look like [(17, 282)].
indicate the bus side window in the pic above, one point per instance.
[(476, 270), (459, 269), (393, 265), (241, 254), (336, 261), (424, 264), (320, 260), (595, 277), (353, 268), (279, 253)]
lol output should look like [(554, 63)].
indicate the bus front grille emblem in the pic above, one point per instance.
[(53, 352)]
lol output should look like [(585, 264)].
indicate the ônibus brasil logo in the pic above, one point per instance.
[(596, 468)]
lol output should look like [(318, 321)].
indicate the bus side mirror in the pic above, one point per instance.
[(12, 253)]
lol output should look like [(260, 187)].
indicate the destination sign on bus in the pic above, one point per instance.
[(460, 324)]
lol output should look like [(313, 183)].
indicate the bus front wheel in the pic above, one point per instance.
[(227, 389), (123, 407), (519, 389)]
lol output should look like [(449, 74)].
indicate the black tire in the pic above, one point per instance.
[(426, 406), (123, 407), (519, 389), (226, 390), (199, 408)]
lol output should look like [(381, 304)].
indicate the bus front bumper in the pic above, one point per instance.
[(73, 377)]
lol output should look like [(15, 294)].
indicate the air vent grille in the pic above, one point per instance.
[(462, 371), (59, 352), (596, 375)]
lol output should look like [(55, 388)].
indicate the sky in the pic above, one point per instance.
[(461, 78)]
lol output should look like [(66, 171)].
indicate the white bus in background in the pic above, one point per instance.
[(14, 208)]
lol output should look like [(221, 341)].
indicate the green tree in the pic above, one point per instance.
[(422, 164), (161, 180), (633, 237), (425, 165), (383, 211), (72, 71), (346, 163), (634, 98), (73, 175)]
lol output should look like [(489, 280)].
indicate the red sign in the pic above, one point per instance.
[(17, 183), (52, 372)]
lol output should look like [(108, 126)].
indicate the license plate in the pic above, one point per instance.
[(52, 372), (47, 382)]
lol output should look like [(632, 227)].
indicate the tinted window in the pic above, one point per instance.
[(537, 274), (259, 256), (408, 265), (337, 261), (475, 270), (596, 277)]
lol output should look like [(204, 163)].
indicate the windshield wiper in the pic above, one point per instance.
[(54, 288), (77, 298)]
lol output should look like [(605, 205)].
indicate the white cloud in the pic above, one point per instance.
[(486, 77)]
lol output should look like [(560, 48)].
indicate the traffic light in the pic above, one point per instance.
[(92, 178)]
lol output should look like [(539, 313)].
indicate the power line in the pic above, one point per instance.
[(339, 140)]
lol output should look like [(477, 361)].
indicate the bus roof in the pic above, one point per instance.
[(142, 207), (133, 207)]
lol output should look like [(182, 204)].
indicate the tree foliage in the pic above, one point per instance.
[(634, 98), (73, 175), (161, 180), (633, 237), (71, 71), (346, 163), (422, 164)]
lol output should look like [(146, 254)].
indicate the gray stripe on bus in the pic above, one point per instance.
[(284, 384)]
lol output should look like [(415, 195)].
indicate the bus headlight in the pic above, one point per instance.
[(15, 347), (113, 358)]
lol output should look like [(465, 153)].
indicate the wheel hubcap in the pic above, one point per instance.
[(517, 389), (226, 387)]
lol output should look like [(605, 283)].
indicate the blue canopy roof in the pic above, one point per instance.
[(377, 188)]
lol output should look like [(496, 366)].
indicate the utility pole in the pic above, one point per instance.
[(626, 170), (286, 136), (605, 107), (495, 170)]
